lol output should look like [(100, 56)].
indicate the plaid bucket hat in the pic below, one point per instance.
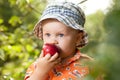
[(66, 12)]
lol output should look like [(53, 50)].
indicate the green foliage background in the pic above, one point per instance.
[(19, 48)]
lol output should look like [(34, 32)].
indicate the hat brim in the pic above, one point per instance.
[(62, 18)]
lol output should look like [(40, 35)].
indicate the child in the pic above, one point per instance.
[(61, 24)]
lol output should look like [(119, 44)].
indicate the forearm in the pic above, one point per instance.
[(38, 75)]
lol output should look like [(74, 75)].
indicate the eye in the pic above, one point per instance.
[(47, 34), (60, 35)]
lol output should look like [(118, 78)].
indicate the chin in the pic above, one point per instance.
[(63, 56)]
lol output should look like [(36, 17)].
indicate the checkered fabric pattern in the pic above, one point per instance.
[(66, 12)]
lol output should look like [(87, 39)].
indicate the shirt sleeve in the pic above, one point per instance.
[(29, 71)]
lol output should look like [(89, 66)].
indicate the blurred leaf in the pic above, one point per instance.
[(15, 20), (29, 48), (1, 21), (2, 54)]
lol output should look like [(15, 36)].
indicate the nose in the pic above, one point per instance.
[(53, 41)]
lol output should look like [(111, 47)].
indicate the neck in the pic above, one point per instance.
[(68, 57)]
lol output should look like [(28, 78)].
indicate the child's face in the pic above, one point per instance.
[(65, 38)]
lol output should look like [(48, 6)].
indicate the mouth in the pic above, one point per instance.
[(59, 49)]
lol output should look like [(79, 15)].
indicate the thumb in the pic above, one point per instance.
[(41, 54)]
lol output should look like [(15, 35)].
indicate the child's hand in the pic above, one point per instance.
[(46, 63)]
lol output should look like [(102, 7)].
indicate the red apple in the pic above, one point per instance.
[(49, 49)]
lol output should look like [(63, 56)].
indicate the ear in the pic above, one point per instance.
[(79, 37)]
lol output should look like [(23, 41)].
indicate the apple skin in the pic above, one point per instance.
[(49, 49)]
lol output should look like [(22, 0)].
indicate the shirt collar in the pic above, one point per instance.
[(70, 60)]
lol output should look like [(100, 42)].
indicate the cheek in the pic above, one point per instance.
[(68, 41), (45, 40), (67, 44)]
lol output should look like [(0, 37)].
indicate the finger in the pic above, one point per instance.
[(54, 57), (57, 61), (41, 54), (47, 56)]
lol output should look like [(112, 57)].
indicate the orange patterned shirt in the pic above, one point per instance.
[(70, 69)]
